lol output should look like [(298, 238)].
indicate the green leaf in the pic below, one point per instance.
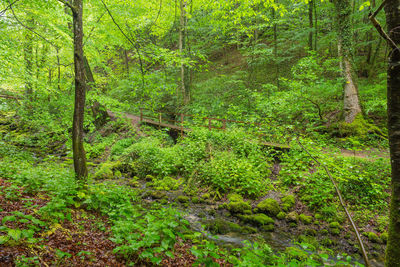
[(4, 239), (15, 234)]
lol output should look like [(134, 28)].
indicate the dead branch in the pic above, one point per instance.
[(342, 203)]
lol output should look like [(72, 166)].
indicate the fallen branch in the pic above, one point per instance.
[(342, 203)]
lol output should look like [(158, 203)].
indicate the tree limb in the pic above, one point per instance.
[(379, 28), (68, 5), (343, 204)]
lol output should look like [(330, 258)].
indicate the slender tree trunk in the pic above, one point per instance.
[(315, 25), (182, 50), (28, 56), (392, 10), (351, 103), (80, 93), (311, 24), (276, 48), (126, 62)]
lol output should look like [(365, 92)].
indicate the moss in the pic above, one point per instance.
[(305, 219), (384, 237), (258, 219), (326, 242), (335, 231), (294, 253), (164, 201), (182, 199), (234, 197), (281, 215), (335, 225), (318, 216), (195, 200), (239, 207), (324, 232), (206, 196), (269, 206), (359, 127), (223, 227), (268, 227), (249, 230), (373, 237), (288, 202), (292, 217), (149, 178), (108, 170), (310, 232), (156, 194), (293, 224)]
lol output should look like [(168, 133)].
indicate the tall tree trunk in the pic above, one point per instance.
[(351, 103), (276, 48), (28, 56), (392, 10), (185, 91), (315, 25), (80, 93), (311, 24)]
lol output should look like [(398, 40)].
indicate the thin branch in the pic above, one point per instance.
[(378, 10), (92, 29), (129, 39), (68, 5), (30, 29), (343, 204), (8, 7)]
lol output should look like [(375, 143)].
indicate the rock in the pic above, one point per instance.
[(223, 227), (268, 227), (305, 219), (296, 254), (287, 202), (335, 231), (281, 215), (334, 225), (205, 196), (384, 237), (373, 237), (195, 200), (249, 230), (234, 197), (258, 219), (292, 217), (310, 232), (239, 207), (182, 199), (269, 206)]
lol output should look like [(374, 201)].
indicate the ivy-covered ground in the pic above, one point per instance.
[(211, 198)]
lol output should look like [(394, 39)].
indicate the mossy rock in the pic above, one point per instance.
[(149, 178), (108, 170), (269, 206), (335, 225), (287, 202), (239, 207), (156, 194), (384, 237), (258, 219), (163, 201), (318, 216), (249, 230), (234, 197), (281, 215), (310, 232), (305, 219), (205, 196), (294, 253), (373, 237), (335, 231), (292, 217), (326, 242), (223, 227), (182, 199), (195, 200), (359, 127)]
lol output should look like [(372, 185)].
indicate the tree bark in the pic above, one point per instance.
[(392, 10), (351, 102), (185, 91), (28, 56), (311, 24), (80, 93)]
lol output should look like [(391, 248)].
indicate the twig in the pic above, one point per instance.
[(343, 204), (68, 5), (8, 7)]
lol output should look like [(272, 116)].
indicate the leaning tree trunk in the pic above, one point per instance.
[(80, 93), (392, 10), (351, 103)]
